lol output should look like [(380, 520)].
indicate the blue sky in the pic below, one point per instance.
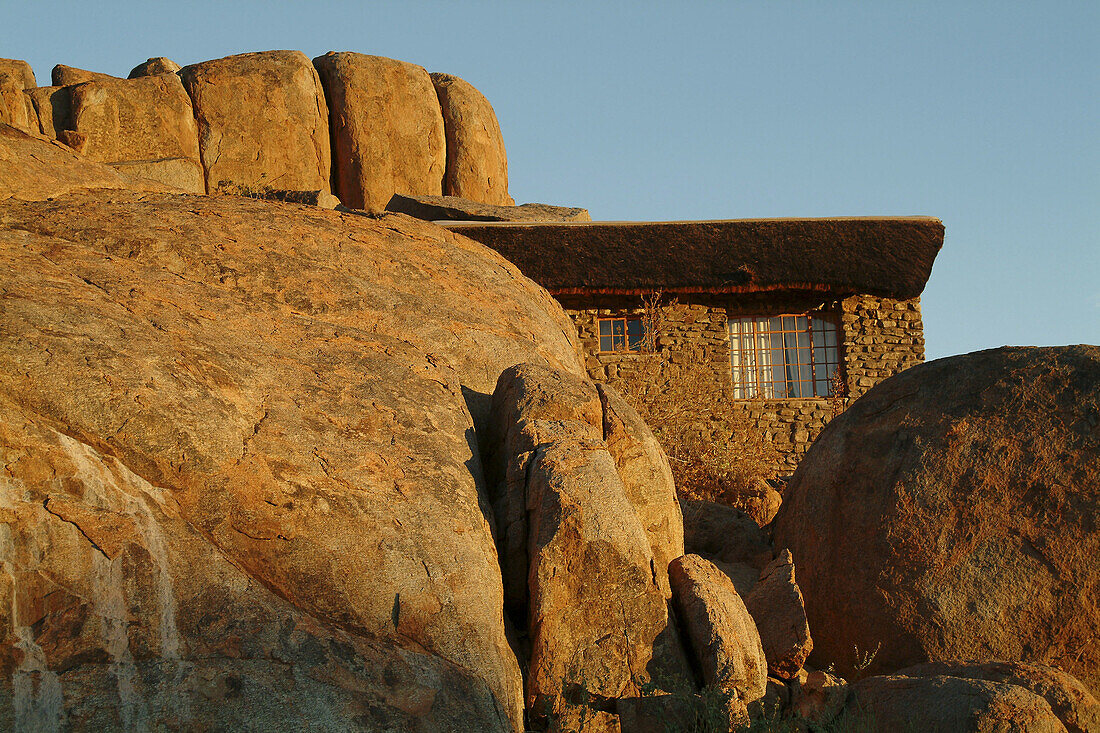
[(986, 115)]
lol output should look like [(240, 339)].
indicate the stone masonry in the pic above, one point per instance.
[(879, 337)]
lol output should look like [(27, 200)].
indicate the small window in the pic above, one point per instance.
[(783, 356), (621, 334)]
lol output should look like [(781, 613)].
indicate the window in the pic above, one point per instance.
[(783, 356), (620, 334)]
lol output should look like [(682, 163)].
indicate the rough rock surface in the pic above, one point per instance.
[(477, 166), (818, 697), (301, 406), (895, 703), (533, 406), (155, 65), (387, 129), (64, 76), (20, 70), (15, 107), (729, 538), (775, 603), (949, 498), (455, 208), (141, 126), (1068, 698), (722, 633), (34, 169), (597, 614), (53, 106), (262, 120)]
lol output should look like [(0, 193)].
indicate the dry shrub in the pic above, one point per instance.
[(677, 392)]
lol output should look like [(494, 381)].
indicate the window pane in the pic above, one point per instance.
[(634, 326), (821, 388), (605, 343), (605, 327), (775, 324), (635, 341), (803, 339), (788, 323), (804, 373), (618, 326)]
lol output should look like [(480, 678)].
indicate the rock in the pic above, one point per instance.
[(154, 66), (775, 604), (294, 385), (597, 614), (647, 479), (818, 697), (776, 700), (119, 614), (888, 704), (1075, 707), (533, 406), (953, 496), (722, 633), (711, 710), (53, 106), (723, 534), (454, 208), (761, 502), (387, 129), (35, 169), (15, 108), (262, 120), (64, 76), (141, 126), (77, 141), (20, 70), (477, 166), (324, 199)]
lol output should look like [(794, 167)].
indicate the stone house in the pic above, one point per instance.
[(792, 317)]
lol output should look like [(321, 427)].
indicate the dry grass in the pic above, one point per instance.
[(676, 390)]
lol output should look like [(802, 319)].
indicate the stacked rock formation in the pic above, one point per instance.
[(362, 127)]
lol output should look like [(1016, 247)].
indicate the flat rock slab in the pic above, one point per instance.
[(477, 166), (262, 120), (142, 126), (455, 208), (387, 129)]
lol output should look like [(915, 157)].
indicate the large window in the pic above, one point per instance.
[(783, 356), (621, 334)]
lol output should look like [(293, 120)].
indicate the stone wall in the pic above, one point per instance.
[(878, 337)]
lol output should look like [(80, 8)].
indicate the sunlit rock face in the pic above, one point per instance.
[(241, 473)]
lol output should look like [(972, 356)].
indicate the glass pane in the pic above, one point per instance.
[(775, 324), (619, 341), (788, 323), (830, 334), (821, 388), (635, 341), (605, 343), (605, 327), (803, 340), (819, 336), (634, 326), (618, 326), (804, 373)]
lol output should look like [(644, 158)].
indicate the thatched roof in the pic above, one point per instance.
[(889, 257)]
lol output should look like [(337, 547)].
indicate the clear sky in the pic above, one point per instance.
[(986, 115)]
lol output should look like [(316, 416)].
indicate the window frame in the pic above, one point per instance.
[(631, 342), (753, 369)]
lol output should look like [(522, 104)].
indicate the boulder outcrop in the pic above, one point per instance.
[(15, 107), (477, 166), (1075, 706), (142, 126), (896, 703), (776, 605), (53, 107), (20, 70), (35, 169), (387, 129), (65, 76), (949, 498), (454, 208), (155, 65), (262, 120), (297, 408), (722, 633)]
